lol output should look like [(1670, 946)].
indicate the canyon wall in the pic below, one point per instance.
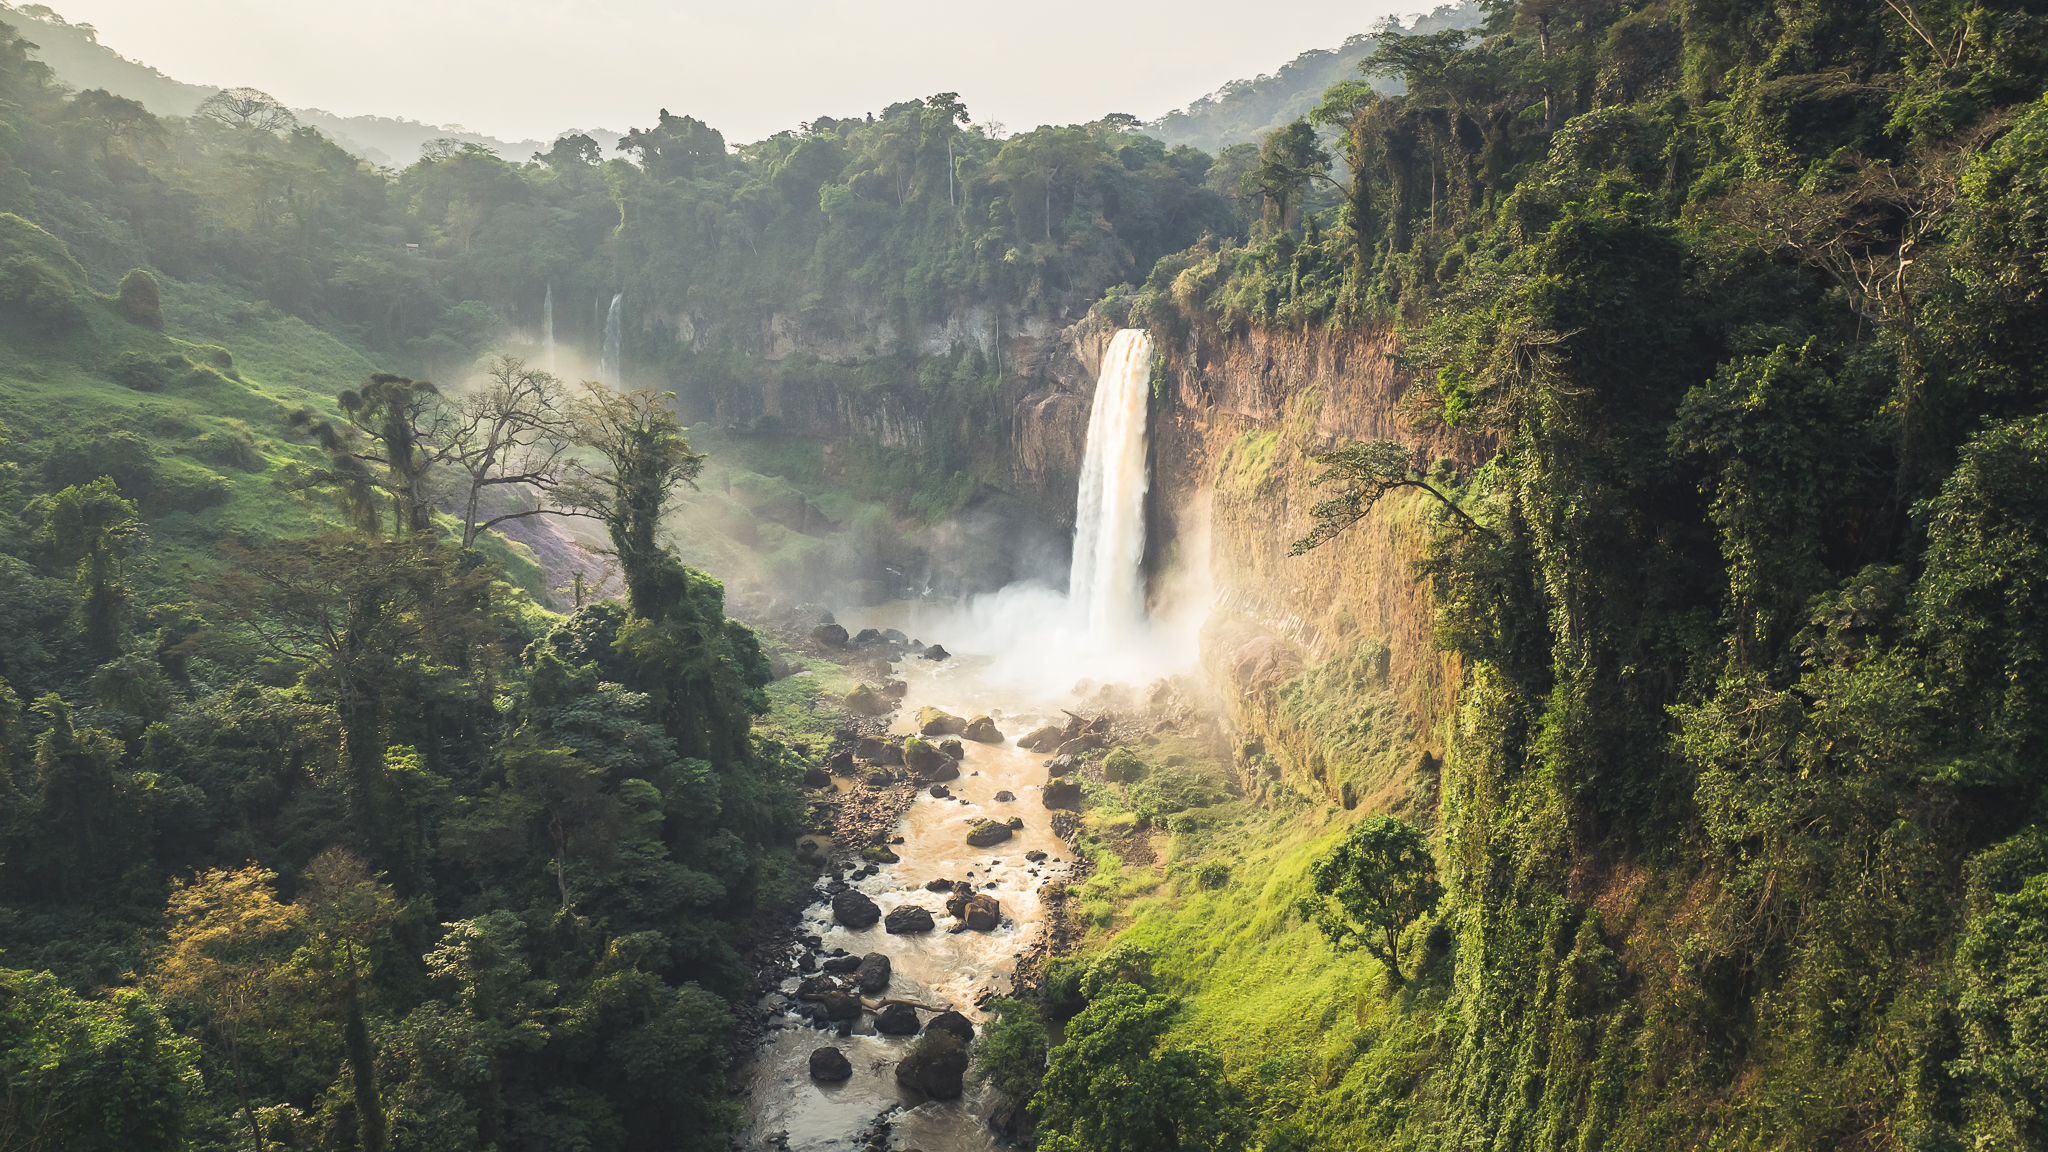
[(1325, 661)]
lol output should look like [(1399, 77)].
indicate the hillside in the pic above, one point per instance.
[(1243, 111), (82, 62)]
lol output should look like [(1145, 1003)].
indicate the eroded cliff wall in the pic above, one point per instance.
[(1325, 661)]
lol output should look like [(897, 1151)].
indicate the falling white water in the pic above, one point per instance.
[(547, 328), (608, 367), (1106, 588)]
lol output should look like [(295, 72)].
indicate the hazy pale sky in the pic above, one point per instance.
[(530, 68)]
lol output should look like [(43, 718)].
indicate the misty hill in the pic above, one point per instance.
[(1243, 110), (83, 63)]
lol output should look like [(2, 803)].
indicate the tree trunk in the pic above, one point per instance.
[(363, 1062)]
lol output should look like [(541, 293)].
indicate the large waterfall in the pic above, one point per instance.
[(608, 366), (1106, 587), (547, 328)]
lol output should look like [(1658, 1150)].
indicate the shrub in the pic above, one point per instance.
[(139, 300), (1213, 875), (1121, 766)]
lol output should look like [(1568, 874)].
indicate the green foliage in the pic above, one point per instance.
[(92, 1075), (139, 299), (1012, 1052), (1383, 879), (1112, 1085), (1122, 766)]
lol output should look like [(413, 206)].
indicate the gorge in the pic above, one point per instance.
[(1504, 612)]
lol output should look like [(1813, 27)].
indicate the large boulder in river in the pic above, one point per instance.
[(935, 1065), (939, 722), (898, 1019), (953, 749), (865, 701), (987, 833), (830, 1065), (840, 1005), (935, 652), (1060, 765), (954, 1023), (982, 730), (829, 635), (873, 973), (983, 912), (855, 910), (947, 771), (1042, 739), (907, 921), (923, 757), (1061, 794)]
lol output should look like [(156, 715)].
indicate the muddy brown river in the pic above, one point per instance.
[(786, 1108)]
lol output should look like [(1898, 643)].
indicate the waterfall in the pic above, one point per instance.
[(1106, 587), (547, 329), (608, 367)]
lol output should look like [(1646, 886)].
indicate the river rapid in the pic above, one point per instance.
[(785, 1107)]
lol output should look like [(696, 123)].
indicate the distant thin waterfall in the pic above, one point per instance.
[(608, 367), (1106, 587), (547, 329)]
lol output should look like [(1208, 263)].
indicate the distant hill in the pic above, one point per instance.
[(1242, 110), (82, 62)]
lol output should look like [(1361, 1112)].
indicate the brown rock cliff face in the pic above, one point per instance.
[(1293, 643)]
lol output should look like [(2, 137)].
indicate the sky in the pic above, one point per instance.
[(532, 68)]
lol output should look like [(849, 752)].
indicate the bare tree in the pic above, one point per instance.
[(514, 432), (248, 108)]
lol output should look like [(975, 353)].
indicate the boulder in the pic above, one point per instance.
[(953, 748), (947, 771), (840, 1005), (936, 1065), (894, 689), (982, 730), (954, 1023), (1015, 822), (873, 973), (840, 964), (941, 792), (894, 637), (983, 913), (987, 833), (908, 921), (938, 722), (1062, 794), (854, 910), (939, 886), (829, 635), (829, 1065), (875, 750), (896, 1020), (866, 636), (1059, 765), (935, 652), (1042, 739), (1005, 796), (923, 757), (1035, 856), (815, 777), (956, 904), (1084, 743), (865, 701)]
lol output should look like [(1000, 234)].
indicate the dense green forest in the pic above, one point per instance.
[(320, 823)]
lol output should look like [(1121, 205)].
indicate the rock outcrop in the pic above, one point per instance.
[(907, 921), (933, 721), (830, 1065), (873, 974), (982, 730), (854, 910), (987, 833)]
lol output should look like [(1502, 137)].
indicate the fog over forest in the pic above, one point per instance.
[(1477, 585)]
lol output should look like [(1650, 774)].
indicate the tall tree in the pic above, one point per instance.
[(511, 434), (642, 460), (95, 528), (347, 908)]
